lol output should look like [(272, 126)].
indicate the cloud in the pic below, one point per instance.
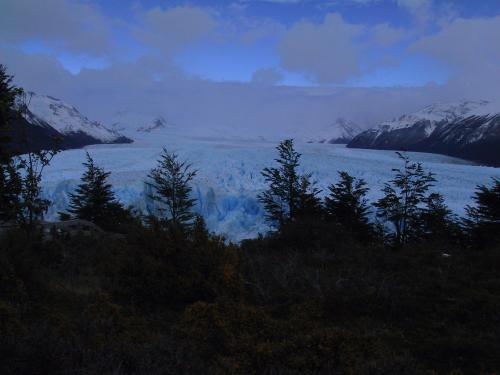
[(326, 52), (171, 29), (203, 105), (420, 9), (469, 47), (330, 51), (465, 42), (58, 24), (267, 76), (385, 35)]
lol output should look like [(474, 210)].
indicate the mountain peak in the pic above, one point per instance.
[(156, 124), (340, 131), (467, 129), (66, 119)]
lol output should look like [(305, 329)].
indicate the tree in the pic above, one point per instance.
[(22, 177), (436, 219), (484, 218), (8, 95), (170, 185), (309, 204), (289, 195), (403, 199), (93, 199), (347, 204), (9, 187)]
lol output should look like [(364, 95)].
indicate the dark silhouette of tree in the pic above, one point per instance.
[(22, 177), (93, 199), (289, 195), (403, 200), (436, 220), (170, 185), (9, 186), (309, 204), (347, 204), (483, 219)]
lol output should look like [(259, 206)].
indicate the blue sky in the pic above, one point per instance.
[(172, 56), (223, 54), (254, 62)]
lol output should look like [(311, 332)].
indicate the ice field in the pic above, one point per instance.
[(229, 178)]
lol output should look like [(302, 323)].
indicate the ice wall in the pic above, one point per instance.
[(229, 178)]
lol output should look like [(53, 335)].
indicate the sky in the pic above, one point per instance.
[(253, 63)]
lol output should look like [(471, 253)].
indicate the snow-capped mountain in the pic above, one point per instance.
[(67, 120), (47, 123), (132, 122), (468, 129), (157, 124), (340, 132)]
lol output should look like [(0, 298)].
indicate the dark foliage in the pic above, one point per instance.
[(94, 200), (403, 200), (170, 183), (314, 297), (347, 205), (484, 218), (289, 195), (8, 95)]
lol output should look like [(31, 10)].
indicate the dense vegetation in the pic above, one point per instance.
[(326, 292)]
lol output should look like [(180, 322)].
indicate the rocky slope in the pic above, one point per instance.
[(339, 132), (51, 123), (468, 129)]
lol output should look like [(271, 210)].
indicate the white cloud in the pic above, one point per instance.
[(420, 9), (173, 28), (326, 52), (465, 42), (385, 35), (470, 48), (267, 76), (58, 24), (249, 109)]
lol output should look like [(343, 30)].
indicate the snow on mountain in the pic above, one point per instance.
[(67, 120), (434, 114), (158, 123), (130, 122), (339, 132), (468, 129)]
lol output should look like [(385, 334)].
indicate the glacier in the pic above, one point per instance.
[(229, 177)]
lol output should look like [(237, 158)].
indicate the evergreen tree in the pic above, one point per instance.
[(403, 199), (484, 218), (436, 219), (8, 96), (309, 204), (20, 176), (289, 195), (347, 204), (93, 199), (170, 183), (9, 184)]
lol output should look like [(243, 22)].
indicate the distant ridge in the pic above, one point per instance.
[(49, 122), (467, 129)]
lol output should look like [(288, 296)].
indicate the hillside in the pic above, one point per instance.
[(468, 129)]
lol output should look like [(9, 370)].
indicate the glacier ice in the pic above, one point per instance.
[(229, 178)]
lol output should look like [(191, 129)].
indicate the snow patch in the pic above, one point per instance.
[(66, 119)]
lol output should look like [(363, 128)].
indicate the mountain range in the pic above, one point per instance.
[(47, 123), (339, 132), (466, 129)]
